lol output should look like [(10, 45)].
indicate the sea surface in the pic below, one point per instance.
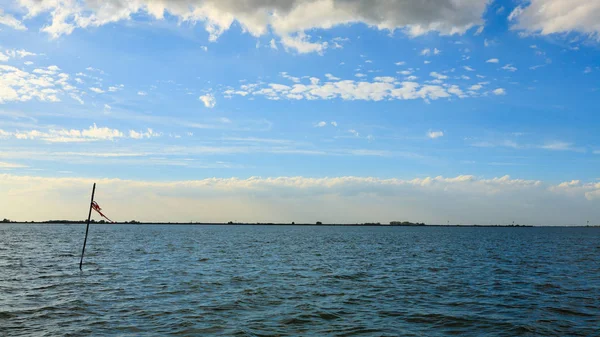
[(142, 280)]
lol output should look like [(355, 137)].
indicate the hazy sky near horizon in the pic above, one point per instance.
[(468, 111)]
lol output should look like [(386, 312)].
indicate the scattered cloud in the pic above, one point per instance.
[(467, 68), (438, 75), (492, 61), (43, 84), (273, 44), (354, 132), (149, 133), (116, 88), (381, 88), (489, 43), (9, 166), (499, 91), (10, 21), (97, 90), (435, 134), (321, 124), (142, 93), (208, 100), (93, 133), (509, 67), (560, 146)]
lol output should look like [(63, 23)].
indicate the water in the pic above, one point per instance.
[(277, 280)]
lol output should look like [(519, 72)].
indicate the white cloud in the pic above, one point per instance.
[(354, 132), (359, 75), (467, 68), (401, 63), (499, 91), (382, 88), (331, 77), (492, 61), (321, 124), (475, 87), (558, 16), (44, 84), (273, 44), (93, 133), (208, 100), (435, 134), (77, 98), (386, 79), (116, 88), (302, 44), (509, 67), (287, 19), (107, 107), (19, 53), (461, 199), (291, 78), (97, 90), (559, 146), (426, 52), (28, 63), (587, 70), (149, 133), (488, 43), (438, 75), (5, 165), (142, 93), (204, 48), (334, 123), (10, 21), (436, 51), (95, 70)]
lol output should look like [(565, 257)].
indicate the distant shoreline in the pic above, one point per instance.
[(58, 222)]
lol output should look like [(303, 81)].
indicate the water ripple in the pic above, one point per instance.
[(289, 281)]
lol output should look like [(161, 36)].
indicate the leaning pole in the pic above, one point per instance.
[(87, 228)]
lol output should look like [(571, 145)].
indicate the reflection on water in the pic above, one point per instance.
[(272, 280)]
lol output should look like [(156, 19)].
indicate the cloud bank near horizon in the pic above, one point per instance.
[(434, 200)]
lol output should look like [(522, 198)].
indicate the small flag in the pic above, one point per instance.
[(97, 208)]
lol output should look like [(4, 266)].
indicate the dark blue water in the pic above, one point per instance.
[(321, 281)]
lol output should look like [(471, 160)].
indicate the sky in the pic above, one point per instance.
[(445, 111)]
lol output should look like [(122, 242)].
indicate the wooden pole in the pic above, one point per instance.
[(87, 228)]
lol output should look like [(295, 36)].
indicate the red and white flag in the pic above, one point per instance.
[(97, 208)]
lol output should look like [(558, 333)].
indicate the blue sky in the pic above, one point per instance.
[(195, 90)]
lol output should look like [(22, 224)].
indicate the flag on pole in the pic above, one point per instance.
[(97, 208)]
